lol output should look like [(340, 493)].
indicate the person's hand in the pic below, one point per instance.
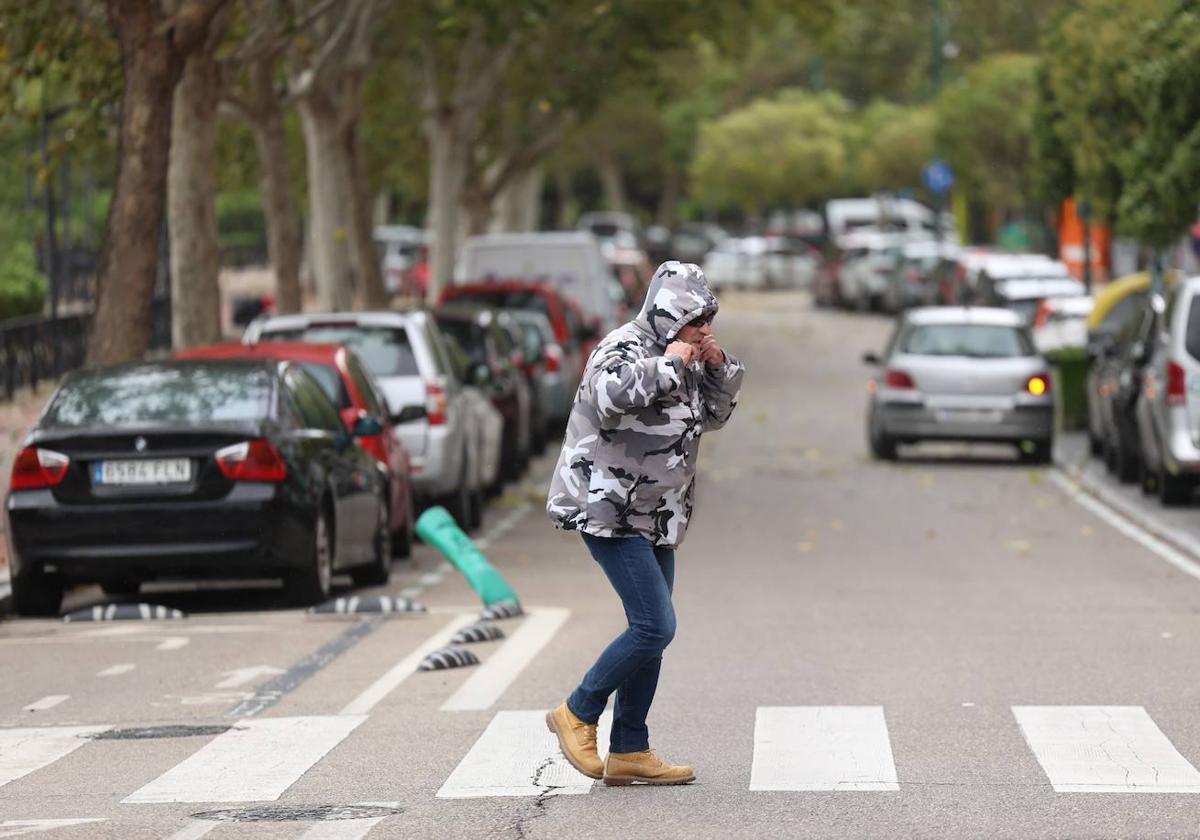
[(710, 351), (687, 352)]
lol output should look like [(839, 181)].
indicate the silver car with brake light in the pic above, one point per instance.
[(961, 374)]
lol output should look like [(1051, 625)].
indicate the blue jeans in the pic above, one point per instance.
[(643, 576)]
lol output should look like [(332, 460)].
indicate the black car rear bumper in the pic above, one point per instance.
[(250, 532)]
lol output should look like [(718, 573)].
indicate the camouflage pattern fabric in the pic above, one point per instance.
[(628, 463)]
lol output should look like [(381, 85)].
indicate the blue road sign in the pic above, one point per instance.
[(937, 177)]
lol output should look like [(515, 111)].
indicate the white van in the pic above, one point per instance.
[(570, 261), (847, 215)]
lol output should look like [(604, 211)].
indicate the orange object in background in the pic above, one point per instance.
[(1070, 244)]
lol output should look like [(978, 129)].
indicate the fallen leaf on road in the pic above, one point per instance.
[(805, 547), (1019, 546), (1087, 531), (931, 534), (837, 525), (761, 417), (1035, 476)]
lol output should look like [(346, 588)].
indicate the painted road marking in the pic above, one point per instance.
[(19, 828), (47, 702), (502, 527), (116, 670), (486, 685), (822, 748), (173, 643), (194, 830), (518, 756), (1104, 749), (240, 676), (31, 748), (254, 762), (341, 829), (405, 668), (1123, 523)]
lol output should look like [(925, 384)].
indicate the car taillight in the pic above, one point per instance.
[(252, 460), (374, 445), (893, 378), (554, 356), (436, 404), (1176, 384), (1038, 385), (35, 469)]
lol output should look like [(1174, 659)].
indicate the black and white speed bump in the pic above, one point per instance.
[(482, 631), (448, 657), (501, 610), (125, 612), (368, 604)]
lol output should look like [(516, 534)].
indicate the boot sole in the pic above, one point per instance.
[(620, 781), (563, 748)]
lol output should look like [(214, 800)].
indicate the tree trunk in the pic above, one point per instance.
[(191, 202), (669, 197), (329, 205), (370, 274), (565, 190), (477, 209), (283, 239), (448, 171), (611, 180), (518, 207), (151, 68)]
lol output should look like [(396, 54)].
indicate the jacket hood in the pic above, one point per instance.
[(678, 293)]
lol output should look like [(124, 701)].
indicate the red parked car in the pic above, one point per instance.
[(345, 379)]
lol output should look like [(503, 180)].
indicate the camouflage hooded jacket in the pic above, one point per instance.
[(628, 462)]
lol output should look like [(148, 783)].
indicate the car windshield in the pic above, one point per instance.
[(982, 341), (468, 336), (384, 350), (503, 299), (150, 395), (331, 383)]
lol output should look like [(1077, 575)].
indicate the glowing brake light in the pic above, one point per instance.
[(1038, 385), (35, 469), (893, 378), (252, 460)]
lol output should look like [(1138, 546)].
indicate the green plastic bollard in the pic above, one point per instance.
[(437, 528)]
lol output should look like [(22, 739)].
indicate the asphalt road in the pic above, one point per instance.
[(950, 646)]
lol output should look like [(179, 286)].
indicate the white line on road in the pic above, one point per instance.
[(47, 702), (31, 748), (405, 668), (502, 527), (1104, 749), (341, 829), (492, 679), (1126, 526), (518, 756), (173, 643), (194, 830), (117, 670), (254, 762), (240, 676), (18, 828), (822, 748)]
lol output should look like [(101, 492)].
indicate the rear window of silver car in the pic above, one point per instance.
[(150, 395), (981, 341), (1191, 338), (384, 350)]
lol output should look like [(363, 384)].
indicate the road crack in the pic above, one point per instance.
[(545, 794)]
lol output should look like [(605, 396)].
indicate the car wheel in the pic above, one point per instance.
[(313, 583), (476, 504), (1038, 451), (379, 570), (883, 448), (1095, 445), (1173, 490), (1126, 465), (402, 537), (120, 588), (458, 503), (1147, 479), (36, 594), (1109, 453)]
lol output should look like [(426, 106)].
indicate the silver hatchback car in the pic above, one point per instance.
[(1168, 413), (961, 374)]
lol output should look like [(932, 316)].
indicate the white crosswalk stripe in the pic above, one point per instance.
[(518, 756), (255, 761), (822, 748), (27, 749), (1105, 749)]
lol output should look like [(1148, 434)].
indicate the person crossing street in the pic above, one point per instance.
[(625, 480)]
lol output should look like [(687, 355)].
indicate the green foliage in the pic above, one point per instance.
[(22, 288), (984, 123), (781, 152), (889, 145)]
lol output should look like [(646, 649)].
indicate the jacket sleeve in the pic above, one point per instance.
[(623, 380), (719, 392)]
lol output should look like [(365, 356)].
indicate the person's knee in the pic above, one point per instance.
[(656, 634)]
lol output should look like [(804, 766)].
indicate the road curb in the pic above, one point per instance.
[(1173, 537)]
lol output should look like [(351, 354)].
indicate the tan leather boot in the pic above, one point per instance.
[(645, 767), (577, 740)]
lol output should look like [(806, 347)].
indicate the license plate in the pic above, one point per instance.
[(969, 416), (156, 471)]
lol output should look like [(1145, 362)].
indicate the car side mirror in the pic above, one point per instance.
[(1140, 352), (408, 414), (367, 426), (481, 375), (871, 358)]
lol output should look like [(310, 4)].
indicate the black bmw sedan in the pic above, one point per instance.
[(186, 469)]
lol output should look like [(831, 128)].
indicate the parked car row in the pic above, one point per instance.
[(304, 451), (1143, 384)]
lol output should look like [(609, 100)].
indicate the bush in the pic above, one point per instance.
[(22, 289), (1071, 366)]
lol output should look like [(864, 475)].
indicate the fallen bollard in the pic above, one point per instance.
[(437, 528)]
